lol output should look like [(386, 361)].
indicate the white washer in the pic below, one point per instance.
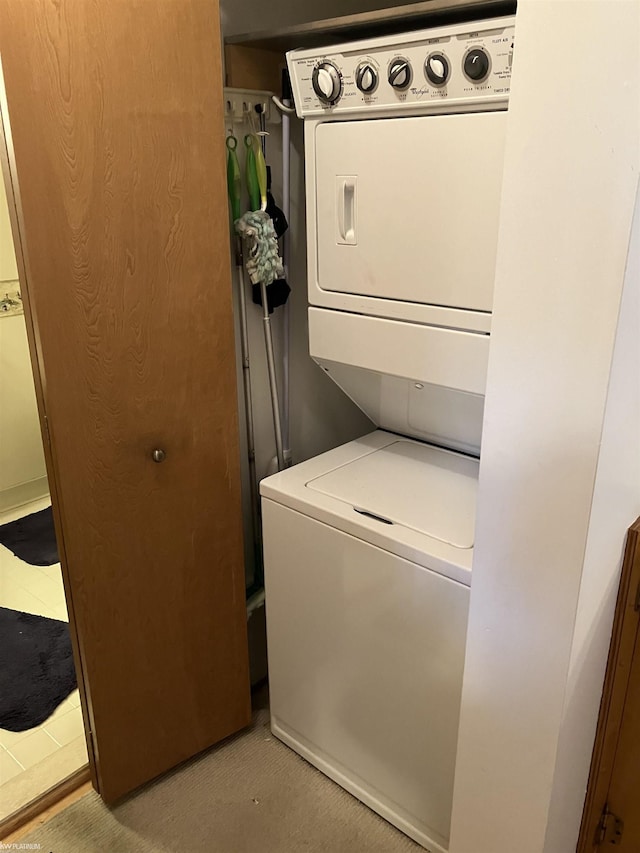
[(367, 554), (368, 548)]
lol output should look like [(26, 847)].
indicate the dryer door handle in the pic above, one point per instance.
[(346, 206)]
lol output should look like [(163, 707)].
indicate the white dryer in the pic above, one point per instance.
[(368, 548)]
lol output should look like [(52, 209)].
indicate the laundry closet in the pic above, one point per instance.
[(369, 548), (439, 557)]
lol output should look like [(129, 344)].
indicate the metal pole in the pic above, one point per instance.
[(271, 365), (248, 405), (286, 207)]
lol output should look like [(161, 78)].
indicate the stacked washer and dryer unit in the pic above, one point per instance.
[(368, 548)]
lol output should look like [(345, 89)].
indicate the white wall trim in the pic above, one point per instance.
[(569, 189)]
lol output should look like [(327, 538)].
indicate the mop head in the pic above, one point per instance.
[(263, 262)]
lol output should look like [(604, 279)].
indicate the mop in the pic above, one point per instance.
[(262, 259), (278, 291), (255, 230), (263, 263), (234, 187)]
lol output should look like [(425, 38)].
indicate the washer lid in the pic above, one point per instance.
[(416, 486)]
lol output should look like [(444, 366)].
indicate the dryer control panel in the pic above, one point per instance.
[(449, 69)]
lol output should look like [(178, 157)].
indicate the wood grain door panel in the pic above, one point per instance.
[(614, 776), (116, 123), (624, 792)]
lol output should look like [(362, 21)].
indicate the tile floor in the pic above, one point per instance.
[(38, 590)]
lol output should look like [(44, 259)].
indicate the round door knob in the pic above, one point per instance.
[(476, 65), (400, 74), (158, 455), (367, 78), (437, 69), (327, 82)]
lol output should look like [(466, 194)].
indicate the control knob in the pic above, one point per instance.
[(476, 64), (367, 78), (327, 82), (400, 74), (437, 69)]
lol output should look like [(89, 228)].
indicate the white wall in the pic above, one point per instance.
[(22, 466), (616, 505), (8, 268), (554, 503)]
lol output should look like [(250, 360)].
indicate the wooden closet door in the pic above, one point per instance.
[(117, 131)]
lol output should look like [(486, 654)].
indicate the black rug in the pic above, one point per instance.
[(32, 538), (36, 668)]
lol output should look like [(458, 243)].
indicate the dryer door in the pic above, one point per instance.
[(408, 208)]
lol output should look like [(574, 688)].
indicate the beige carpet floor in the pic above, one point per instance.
[(249, 795)]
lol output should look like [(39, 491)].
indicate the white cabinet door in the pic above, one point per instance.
[(408, 208)]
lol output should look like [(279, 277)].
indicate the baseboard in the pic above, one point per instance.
[(23, 493), (27, 787), (12, 824)]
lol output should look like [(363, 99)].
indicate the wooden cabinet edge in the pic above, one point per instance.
[(623, 636)]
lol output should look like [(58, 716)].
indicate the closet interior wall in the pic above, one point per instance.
[(320, 415)]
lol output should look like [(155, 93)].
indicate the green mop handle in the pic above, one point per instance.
[(252, 172), (234, 180)]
